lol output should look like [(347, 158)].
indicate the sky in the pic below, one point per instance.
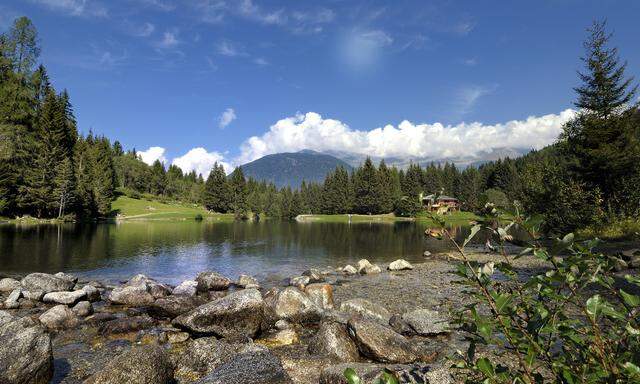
[(191, 82)]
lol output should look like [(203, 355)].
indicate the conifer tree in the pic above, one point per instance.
[(366, 189), (158, 178), (103, 177), (217, 190), (238, 193), (385, 194)]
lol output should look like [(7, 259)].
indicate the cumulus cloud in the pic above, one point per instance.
[(201, 161), (226, 118), (312, 131), (152, 154)]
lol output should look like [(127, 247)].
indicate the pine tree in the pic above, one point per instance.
[(238, 193), (385, 194), (158, 178), (64, 186), (217, 190), (412, 182), (103, 177), (366, 189)]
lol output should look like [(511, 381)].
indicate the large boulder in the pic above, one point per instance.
[(133, 295), (68, 298), (140, 365), (174, 306), (399, 265), (426, 322), (320, 294), (212, 281), (25, 351), (238, 314), (46, 282), (8, 284), (67, 276), (59, 317), (380, 343), (292, 305), (126, 324), (93, 293), (366, 309), (332, 340), (201, 356), (257, 367), (186, 288)]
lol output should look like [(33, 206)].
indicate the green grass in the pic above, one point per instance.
[(453, 218), (126, 208), (621, 229)]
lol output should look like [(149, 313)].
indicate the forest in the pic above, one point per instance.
[(49, 170)]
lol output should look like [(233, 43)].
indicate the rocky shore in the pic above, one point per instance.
[(55, 328)]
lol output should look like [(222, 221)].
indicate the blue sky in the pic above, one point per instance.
[(240, 79)]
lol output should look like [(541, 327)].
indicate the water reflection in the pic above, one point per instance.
[(174, 251)]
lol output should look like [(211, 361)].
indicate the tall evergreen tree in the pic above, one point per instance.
[(366, 189), (217, 190), (238, 192), (385, 194)]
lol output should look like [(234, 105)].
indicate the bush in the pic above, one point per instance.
[(496, 197), (199, 217), (407, 207)]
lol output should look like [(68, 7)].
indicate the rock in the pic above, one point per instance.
[(68, 298), (45, 282), (212, 281), (141, 365), (126, 324), (314, 275), (366, 309), (620, 265), (246, 281), (260, 367), (12, 301), (366, 268), (299, 281), (282, 324), (59, 317), (25, 351), (100, 317), (320, 294), (35, 295), (426, 322), (426, 254), (201, 356), (155, 289), (66, 276), (367, 372), (8, 284), (635, 262), (280, 338), (332, 340), (349, 270), (400, 265), (135, 295), (400, 326), (83, 309), (93, 294), (292, 305), (239, 314), (177, 337), (186, 288), (174, 306), (380, 343)]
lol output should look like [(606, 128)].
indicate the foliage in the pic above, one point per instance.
[(407, 206), (386, 377), (576, 322)]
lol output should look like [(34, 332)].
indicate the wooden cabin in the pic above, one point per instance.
[(441, 204)]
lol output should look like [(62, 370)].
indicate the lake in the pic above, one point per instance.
[(175, 251)]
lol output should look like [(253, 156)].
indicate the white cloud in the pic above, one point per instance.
[(251, 11), (311, 131), (201, 161), (261, 61), (75, 7), (169, 40), (467, 97), (464, 28), (226, 118), (144, 30), (361, 49), (152, 154)]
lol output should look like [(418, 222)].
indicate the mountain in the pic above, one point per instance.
[(290, 169)]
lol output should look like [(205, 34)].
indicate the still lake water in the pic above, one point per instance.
[(174, 251)]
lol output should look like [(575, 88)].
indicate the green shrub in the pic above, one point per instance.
[(407, 207), (199, 217)]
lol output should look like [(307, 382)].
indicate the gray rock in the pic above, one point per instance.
[(155, 289), (68, 298), (46, 282), (212, 281), (201, 356), (83, 309), (246, 281), (140, 365), (59, 317), (370, 372), (332, 340), (25, 351), (299, 281), (399, 325), (174, 306), (186, 288), (12, 300), (366, 268), (426, 322), (134, 295), (634, 262), (126, 324), (620, 265), (292, 305), (314, 275), (400, 265), (367, 372), (366, 309), (380, 343), (280, 338), (238, 314), (34, 295), (349, 270), (426, 254), (260, 367), (8, 284), (320, 294), (282, 324), (93, 293), (66, 276)]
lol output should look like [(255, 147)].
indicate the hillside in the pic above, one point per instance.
[(290, 169)]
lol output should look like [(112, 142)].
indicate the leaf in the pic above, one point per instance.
[(351, 376), (632, 369), (388, 378), (596, 306), (474, 231), (632, 279), (629, 299), (485, 366)]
